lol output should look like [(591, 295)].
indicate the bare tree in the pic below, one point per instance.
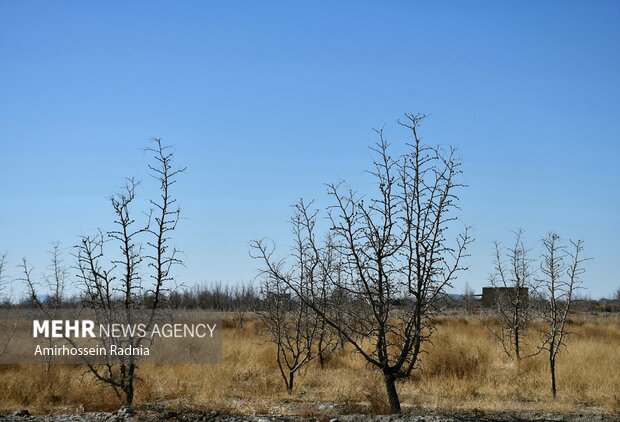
[(55, 283), (11, 328), (513, 282), (3, 280), (116, 286), (293, 326), (242, 303), (164, 255), (286, 320), (469, 297), (113, 288), (396, 257), (56, 279), (562, 269), (330, 268)]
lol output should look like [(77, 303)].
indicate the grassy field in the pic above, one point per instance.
[(464, 369)]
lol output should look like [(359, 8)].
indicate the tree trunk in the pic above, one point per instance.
[(289, 384), (552, 368), (320, 352), (129, 395), (129, 385), (517, 351), (390, 385)]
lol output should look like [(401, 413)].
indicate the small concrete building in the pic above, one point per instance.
[(491, 295)]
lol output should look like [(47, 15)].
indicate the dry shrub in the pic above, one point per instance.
[(63, 387), (614, 404), (228, 322), (455, 359), (376, 396)]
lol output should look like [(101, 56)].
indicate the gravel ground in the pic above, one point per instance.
[(169, 415)]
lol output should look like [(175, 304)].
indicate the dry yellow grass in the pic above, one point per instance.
[(464, 369)]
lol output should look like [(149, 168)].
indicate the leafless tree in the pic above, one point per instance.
[(11, 328), (562, 269), (54, 285), (286, 320), (243, 303), (469, 297), (48, 295), (241, 299), (292, 324), (113, 288), (514, 283), (163, 255), (330, 268), (3, 280), (56, 279), (396, 257), (116, 286)]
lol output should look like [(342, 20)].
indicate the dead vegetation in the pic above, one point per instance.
[(466, 370)]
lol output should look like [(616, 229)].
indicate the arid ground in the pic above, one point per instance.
[(464, 371)]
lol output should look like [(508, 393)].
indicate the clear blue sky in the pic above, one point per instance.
[(266, 101)]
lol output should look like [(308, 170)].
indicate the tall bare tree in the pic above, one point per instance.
[(514, 284), (163, 254), (115, 286), (562, 269), (396, 257)]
